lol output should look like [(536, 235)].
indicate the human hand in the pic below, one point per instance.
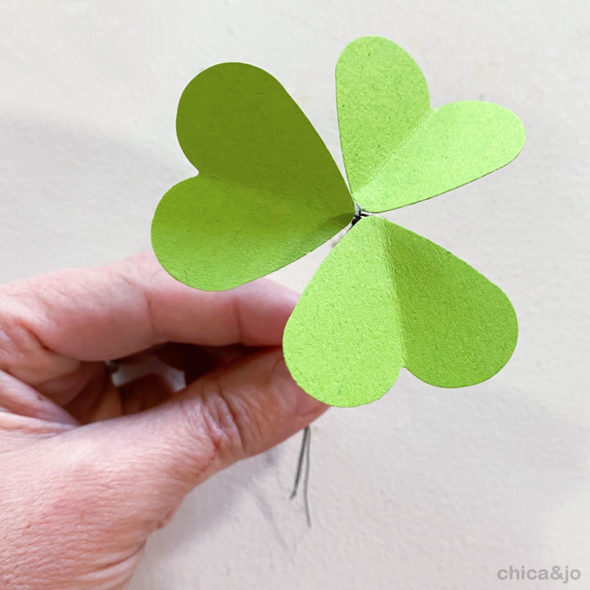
[(89, 470)]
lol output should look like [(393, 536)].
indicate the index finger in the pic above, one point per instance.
[(113, 311)]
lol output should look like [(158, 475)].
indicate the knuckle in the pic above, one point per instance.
[(224, 418)]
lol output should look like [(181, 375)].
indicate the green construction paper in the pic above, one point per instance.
[(387, 298), (397, 149), (268, 190)]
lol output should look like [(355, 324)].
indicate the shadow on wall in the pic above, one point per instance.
[(70, 196), (471, 481), (440, 487)]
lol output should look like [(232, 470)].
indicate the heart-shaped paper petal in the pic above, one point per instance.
[(384, 298), (397, 150), (268, 190), (341, 343)]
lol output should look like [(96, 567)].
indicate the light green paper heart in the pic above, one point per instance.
[(268, 190), (397, 149), (385, 298)]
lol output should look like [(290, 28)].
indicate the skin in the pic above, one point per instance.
[(90, 470)]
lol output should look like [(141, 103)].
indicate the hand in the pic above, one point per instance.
[(89, 470)]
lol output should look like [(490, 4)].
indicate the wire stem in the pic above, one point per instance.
[(303, 465)]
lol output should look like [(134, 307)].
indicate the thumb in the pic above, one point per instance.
[(157, 456)]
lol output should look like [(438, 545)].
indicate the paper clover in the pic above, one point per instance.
[(268, 192)]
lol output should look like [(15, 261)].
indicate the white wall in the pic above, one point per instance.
[(428, 488)]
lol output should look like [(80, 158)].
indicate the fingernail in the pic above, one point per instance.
[(304, 404)]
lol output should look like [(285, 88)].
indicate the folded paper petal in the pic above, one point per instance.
[(268, 190), (341, 343), (384, 298), (397, 149)]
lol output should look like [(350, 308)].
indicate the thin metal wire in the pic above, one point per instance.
[(306, 478), (358, 215), (303, 465)]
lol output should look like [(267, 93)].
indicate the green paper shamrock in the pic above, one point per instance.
[(268, 192)]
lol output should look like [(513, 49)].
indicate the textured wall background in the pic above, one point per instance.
[(428, 488)]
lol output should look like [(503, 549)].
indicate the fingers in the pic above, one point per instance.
[(20, 399), (144, 393), (49, 323), (195, 361), (158, 455), (64, 389)]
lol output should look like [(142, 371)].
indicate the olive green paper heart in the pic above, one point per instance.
[(268, 190)]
